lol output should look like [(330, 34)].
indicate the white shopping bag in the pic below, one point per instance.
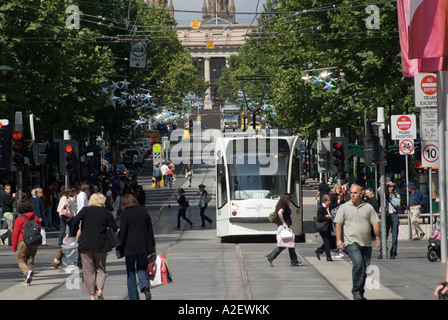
[(70, 255), (285, 237)]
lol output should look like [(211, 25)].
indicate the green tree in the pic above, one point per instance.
[(294, 36)]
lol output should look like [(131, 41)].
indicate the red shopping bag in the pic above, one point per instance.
[(162, 274)]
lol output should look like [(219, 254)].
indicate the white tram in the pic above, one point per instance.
[(251, 175)]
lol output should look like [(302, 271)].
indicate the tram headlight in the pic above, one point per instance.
[(234, 209)]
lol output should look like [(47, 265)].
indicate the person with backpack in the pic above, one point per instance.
[(204, 199), (183, 205), (26, 238)]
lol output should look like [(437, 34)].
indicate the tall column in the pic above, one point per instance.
[(208, 95)]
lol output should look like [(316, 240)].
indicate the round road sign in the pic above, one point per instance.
[(157, 147), (430, 153), (406, 147), (404, 123), (429, 85)]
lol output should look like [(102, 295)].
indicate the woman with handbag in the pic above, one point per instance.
[(324, 216), (67, 210), (137, 243), (95, 221), (283, 219)]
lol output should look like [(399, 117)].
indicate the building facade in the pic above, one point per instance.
[(218, 27)]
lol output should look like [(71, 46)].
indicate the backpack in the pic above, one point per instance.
[(31, 234)]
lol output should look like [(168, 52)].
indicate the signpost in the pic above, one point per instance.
[(406, 147), (157, 154), (425, 90), (403, 127), (430, 154), (138, 55)]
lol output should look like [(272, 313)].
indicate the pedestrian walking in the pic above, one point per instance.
[(169, 178), (416, 200), (66, 210), (136, 244), (8, 212), (322, 189), (183, 205), (189, 174), (25, 253), (369, 197), (357, 217), (202, 193), (93, 220), (157, 174), (39, 211), (283, 219), (164, 168), (82, 198), (324, 215), (392, 220)]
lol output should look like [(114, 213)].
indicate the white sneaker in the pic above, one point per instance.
[(29, 277)]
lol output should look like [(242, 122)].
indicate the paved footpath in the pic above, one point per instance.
[(206, 269)]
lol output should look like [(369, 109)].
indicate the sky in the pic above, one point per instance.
[(242, 6)]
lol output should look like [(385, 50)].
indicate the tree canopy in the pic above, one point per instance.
[(67, 76), (297, 40)]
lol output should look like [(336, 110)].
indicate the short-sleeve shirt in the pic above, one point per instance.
[(286, 216), (357, 222)]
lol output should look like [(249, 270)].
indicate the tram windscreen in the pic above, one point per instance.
[(251, 180)]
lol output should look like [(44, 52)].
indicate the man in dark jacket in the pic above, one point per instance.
[(39, 210)]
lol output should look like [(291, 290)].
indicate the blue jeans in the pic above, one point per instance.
[(132, 263), (392, 225), (360, 257)]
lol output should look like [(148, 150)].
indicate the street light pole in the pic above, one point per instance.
[(381, 126)]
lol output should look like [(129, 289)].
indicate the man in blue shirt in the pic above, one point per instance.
[(416, 200)]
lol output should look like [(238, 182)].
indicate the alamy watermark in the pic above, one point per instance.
[(373, 21), (72, 21)]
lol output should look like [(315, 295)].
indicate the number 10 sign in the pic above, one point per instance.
[(430, 154)]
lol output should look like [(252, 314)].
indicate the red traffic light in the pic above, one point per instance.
[(16, 136), (68, 149), (337, 145)]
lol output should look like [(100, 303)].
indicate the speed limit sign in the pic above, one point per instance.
[(430, 154)]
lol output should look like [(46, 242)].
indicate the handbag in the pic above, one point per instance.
[(272, 216), (321, 226), (64, 212), (111, 239)]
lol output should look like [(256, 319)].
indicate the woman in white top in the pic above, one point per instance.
[(66, 210)]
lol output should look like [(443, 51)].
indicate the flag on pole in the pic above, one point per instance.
[(423, 35)]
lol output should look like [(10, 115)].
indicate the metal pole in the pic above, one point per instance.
[(407, 197), (442, 78), (382, 165), (430, 199)]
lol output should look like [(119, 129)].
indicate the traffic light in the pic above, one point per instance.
[(68, 156), (324, 160), (372, 149), (338, 154), (5, 147), (18, 149), (39, 150)]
